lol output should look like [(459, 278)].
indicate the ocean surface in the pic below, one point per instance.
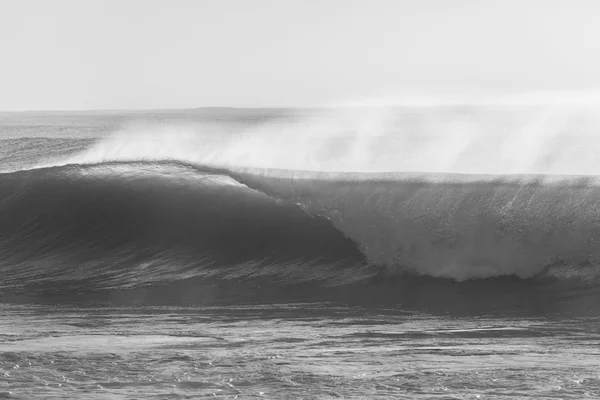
[(447, 252)]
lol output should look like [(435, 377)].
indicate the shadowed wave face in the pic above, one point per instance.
[(169, 233), (119, 226)]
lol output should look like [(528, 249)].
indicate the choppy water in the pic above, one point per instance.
[(293, 351), (280, 254)]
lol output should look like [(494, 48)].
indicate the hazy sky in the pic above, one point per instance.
[(76, 54)]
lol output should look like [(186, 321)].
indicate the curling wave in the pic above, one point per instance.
[(122, 225), (130, 225)]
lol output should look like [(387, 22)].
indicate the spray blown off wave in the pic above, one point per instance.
[(522, 139)]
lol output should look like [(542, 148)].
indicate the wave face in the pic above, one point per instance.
[(127, 225), (460, 227)]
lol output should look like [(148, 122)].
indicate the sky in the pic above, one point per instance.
[(136, 54)]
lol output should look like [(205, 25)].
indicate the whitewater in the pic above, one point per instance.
[(408, 251)]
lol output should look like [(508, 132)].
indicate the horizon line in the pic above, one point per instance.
[(535, 98)]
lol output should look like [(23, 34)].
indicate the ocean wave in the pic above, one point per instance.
[(129, 224)]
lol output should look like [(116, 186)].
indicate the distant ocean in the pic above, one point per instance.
[(411, 252)]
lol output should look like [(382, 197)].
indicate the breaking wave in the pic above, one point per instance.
[(133, 224), (176, 216)]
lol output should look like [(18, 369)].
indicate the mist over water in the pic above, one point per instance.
[(498, 139)]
